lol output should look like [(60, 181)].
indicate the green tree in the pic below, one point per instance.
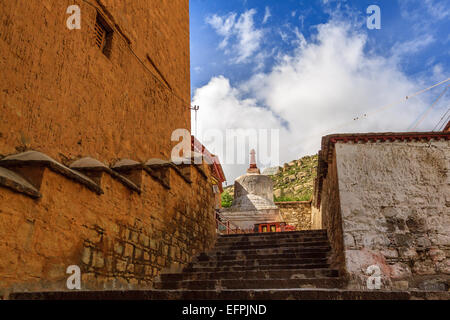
[(227, 199)]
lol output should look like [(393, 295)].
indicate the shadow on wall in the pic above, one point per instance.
[(121, 225)]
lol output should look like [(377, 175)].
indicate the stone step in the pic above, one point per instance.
[(271, 294), (250, 284), (290, 234), (245, 275), (196, 268), (225, 256), (276, 250), (287, 260), (221, 242), (258, 262), (268, 244), (276, 234), (261, 294)]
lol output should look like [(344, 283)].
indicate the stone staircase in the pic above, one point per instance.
[(286, 260), (264, 266)]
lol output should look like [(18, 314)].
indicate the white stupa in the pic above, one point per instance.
[(253, 199)]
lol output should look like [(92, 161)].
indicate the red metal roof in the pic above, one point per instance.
[(447, 127), (212, 159)]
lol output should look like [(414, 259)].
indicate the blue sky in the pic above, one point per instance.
[(402, 21), (307, 68)]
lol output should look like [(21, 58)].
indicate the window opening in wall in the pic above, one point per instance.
[(103, 35)]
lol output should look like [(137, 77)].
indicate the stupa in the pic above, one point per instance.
[(253, 199)]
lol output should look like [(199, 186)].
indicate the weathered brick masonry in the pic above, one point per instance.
[(384, 199), (62, 96), (120, 238), (296, 213)]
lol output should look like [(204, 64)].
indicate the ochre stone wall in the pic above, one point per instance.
[(61, 95), (296, 213), (120, 239), (395, 205)]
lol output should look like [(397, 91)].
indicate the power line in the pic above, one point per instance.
[(379, 109), (437, 124), (429, 109), (444, 123), (442, 126), (422, 91)]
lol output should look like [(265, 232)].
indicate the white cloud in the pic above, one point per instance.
[(316, 90), (437, 9), (438, 71), (267, 15), (283, 36), (222, 108), (301, 18), (300, 41), (247, 38), (223, 26), (292, 35), (424, 14), (412, 46)]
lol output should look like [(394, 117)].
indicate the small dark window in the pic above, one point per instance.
[(103, 35), (273, 228)]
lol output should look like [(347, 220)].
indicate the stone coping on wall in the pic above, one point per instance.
[(37, 159), (159, 170), (12, 180), (86, 171), (328, 142), (196, 160), (201, 170), (89, 164), (126, 164), (182, 169)]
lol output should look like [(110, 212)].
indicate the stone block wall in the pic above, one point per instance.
[(119, 238), (62, 95), (395, 208), (296, 213)]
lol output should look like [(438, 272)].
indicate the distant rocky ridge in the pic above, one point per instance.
[(294, 181)]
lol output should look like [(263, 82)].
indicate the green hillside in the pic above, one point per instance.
[(292, 182), (295, 180)]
